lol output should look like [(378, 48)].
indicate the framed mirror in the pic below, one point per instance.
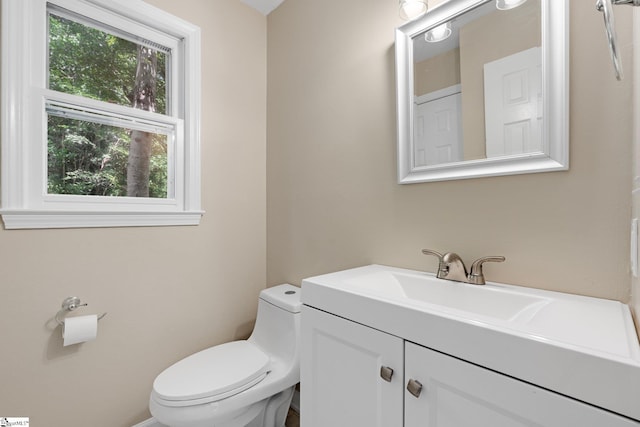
[(483, 90)]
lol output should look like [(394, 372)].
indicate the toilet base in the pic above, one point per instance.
[(275, 411), (270, 412)]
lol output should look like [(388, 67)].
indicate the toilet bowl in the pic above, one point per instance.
[(240, 383)]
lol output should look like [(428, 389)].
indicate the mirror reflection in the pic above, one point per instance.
[(478, 86)]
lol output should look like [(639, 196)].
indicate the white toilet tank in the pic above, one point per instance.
[(277, 329)]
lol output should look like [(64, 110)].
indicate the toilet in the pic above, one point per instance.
[(240, 383)]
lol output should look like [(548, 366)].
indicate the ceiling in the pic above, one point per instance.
[(263, 6)]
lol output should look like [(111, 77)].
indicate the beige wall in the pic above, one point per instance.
[(437, 73), (168, 291), (332, 198), (487, 39)]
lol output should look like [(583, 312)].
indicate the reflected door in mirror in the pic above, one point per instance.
[(513, 104), (438, 130)]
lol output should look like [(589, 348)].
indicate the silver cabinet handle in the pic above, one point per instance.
[(386, 373), (414, 387)]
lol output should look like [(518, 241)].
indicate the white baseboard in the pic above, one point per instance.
[(151, 422)]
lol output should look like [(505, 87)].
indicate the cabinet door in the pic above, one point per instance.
[(459, 394), (340, 374)]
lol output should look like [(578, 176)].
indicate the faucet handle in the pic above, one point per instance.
[(434, 253), (442, 268), (476, 276)]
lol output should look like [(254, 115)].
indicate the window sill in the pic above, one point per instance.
[(32, 219)]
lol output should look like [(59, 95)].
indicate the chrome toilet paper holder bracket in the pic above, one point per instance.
[(68, 305)]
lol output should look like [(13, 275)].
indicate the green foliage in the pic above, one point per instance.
[(92, 63), (86, 158)]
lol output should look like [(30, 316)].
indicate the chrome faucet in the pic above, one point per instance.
[(451, 267)]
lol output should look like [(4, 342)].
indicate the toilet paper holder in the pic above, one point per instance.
[(69, 304)]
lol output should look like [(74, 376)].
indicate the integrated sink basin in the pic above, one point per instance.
[(571, 320), (582, 347), (492, 301)]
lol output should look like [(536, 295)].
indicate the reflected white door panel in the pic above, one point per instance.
[(438, 131), (513, 104)]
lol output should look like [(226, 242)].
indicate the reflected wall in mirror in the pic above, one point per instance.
[(482, 91)]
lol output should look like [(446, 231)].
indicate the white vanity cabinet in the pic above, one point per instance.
[(456, 393), (340, 374), (496, 355), (342, 384)]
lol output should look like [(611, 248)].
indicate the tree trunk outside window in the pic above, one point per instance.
[(144, 99)]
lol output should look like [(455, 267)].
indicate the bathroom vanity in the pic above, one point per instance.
[(389, 347)]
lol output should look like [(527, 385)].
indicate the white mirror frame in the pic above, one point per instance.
[(555, 98)]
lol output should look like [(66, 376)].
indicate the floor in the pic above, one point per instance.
[(293, 419)]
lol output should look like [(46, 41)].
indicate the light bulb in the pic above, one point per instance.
[(411, 9), (439, 33)]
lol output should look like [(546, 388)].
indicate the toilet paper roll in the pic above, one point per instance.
[(79, 329)]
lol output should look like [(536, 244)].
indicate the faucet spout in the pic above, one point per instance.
[(455, 269)]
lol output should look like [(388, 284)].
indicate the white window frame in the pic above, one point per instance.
[(25, 96)]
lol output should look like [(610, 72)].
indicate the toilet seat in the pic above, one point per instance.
[(212, 374)]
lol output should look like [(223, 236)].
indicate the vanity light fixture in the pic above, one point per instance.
[(508, 4), (411, 9), (439, 33)]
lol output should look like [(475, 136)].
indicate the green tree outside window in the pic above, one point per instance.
[(88, 158)]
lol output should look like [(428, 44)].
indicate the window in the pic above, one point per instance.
[(100, 115)]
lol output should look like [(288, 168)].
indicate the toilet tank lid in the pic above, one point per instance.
[(284, 296)]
